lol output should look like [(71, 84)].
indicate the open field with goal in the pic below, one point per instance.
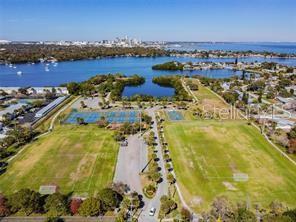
[(81, 159), (230, 158)]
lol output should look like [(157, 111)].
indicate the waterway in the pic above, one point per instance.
[(44, 74)]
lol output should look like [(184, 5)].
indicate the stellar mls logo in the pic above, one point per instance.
[(271, 112)]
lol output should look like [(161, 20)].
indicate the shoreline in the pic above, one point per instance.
[(5, 63)]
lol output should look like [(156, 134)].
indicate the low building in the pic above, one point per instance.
[(281, 123), (288, 88), (10, 109), (284, 100), (284, 124), (225, 86), (42, 112)]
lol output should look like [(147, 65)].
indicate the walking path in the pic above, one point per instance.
[(48, 131), (189, 90)]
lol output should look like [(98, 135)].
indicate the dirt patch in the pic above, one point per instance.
[(196, 201), (229, 186), (84, 168), (78, 146), (233, 167), (191, 165)]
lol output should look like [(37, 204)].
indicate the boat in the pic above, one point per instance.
[(55, 64), (46, 69), (19, 73)]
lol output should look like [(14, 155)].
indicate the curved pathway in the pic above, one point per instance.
[(49, 129)]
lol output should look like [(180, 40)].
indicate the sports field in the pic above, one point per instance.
[(231, 158), (76, 158)]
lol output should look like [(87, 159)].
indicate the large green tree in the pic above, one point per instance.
[(110, 199), (90, 207), (25, 200), (57, 204)]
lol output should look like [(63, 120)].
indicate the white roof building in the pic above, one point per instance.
[(42, 112)]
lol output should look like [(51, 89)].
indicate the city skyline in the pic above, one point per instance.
[(219, 21)]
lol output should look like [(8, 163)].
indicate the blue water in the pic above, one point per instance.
[(35, 75), (280, 47)]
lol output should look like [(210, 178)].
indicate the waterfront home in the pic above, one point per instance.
[(225, 86)]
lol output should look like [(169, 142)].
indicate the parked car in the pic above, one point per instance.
[(124, 143), (152, 211)]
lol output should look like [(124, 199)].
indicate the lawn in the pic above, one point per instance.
[(208, 99), (211, 105), (81, 159), (207, 154)]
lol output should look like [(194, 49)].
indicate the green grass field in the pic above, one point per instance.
[(207, 153), (76, 158)]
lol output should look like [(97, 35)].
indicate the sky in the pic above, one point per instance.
[(166, 20)]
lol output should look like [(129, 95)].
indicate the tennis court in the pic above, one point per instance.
[(110, 116), (175, 115)]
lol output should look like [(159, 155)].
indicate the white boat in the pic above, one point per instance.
[(19, 73), (10, 65), (46, 69), (14, 67), (55, 64)]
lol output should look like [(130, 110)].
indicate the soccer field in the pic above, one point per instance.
[(76, 158), (230, 158)]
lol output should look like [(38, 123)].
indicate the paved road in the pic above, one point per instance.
[(131, 160), (163, 186)]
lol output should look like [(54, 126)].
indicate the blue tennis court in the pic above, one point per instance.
[(110, 116), (175, 115)]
